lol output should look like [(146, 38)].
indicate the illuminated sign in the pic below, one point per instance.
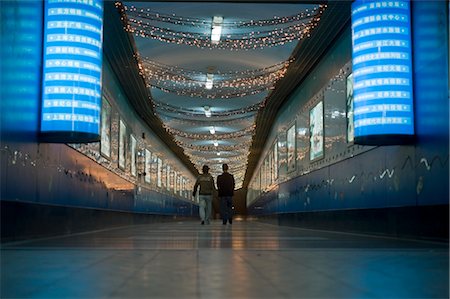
[(316, 131), (148, 163), (159, 172), (71, 96), (382, 71), (290, 139), (350, 125), (133, 143)]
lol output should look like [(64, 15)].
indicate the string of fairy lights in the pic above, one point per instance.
[(186, 82), (236, 34), (220, 148), (186, 112), (182, 122), (148, 14), (141, 22), (173, 69), (198, 136)]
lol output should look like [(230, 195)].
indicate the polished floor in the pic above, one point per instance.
[(245, 260)]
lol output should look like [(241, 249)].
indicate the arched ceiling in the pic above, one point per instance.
[(179, 105)]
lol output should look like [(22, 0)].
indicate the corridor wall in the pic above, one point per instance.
[(327, 181), (54, 188)]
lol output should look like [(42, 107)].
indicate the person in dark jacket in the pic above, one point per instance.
[(206, 183), (225, 187)]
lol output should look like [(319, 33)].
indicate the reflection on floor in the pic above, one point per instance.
[(244, 260)]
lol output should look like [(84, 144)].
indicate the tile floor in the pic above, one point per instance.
[(246, 260)]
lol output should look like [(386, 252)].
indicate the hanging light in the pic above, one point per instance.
[(212, 130), (216, 29), (209, 81), (216, 143), (207, 111)]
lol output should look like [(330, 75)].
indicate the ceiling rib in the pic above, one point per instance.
[(119, 51)]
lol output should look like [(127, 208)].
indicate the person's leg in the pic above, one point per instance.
[(201, 207), (223, 209), (229, 207), (208, 201)]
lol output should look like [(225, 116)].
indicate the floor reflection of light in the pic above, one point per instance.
[(244, 239), (215, 237)]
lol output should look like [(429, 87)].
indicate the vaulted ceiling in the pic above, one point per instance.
[(265, 50)]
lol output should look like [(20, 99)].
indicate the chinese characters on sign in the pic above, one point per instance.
[(382, 69), (72, 67)]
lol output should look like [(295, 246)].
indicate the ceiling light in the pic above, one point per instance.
[(216, 29), (207, 111), (218, 154), (216, 143), (212, 130), (209, 81)]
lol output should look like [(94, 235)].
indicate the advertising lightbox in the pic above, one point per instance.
[(316, 132)]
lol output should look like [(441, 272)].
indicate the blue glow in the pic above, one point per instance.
[(21, 58), (72, 66), (383, 97)]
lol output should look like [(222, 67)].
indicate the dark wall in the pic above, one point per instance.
[(239, 202), (45, 187), (23, 220)]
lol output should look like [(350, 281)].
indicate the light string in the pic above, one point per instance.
[(200, 92), (148, 14), (210, 148), (225, 74), (236, 41), (214, 114), (232, 84), (197, 136), (207, 150), (246, 120)]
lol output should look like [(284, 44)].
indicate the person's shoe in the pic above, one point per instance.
[(224, 222), (203, 222), (230, 221)]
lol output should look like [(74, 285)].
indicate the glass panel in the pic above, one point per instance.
[(291, 149), (316, 131), (122, 144), (148, 162), (350, 126), (159, 173), (133, 143), (105, 144)]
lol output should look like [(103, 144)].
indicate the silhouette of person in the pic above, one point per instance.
[(206, 183), (225, 187)]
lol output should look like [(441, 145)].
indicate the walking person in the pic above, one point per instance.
[(225, 187), (206, 183)]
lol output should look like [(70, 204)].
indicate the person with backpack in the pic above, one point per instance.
[(206, 183)]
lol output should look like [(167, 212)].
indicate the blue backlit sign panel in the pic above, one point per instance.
[(382, 71), (71, 104)]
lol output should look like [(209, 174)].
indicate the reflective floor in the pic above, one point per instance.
[(245, 260)]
